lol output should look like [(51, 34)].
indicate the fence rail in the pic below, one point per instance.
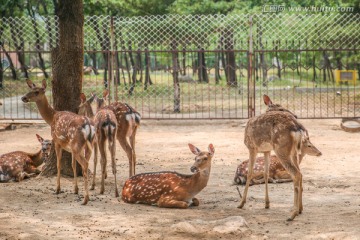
[(197, 66)]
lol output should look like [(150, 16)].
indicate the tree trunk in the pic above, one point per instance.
[(133, 76), (175, 73), (11, 64), (202, 71), (230, 59), (67, 63), (184, 62), (147, 69)]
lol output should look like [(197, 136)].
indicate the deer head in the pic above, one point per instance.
[(85, 107), (309, 148), (202, 159), (45, 145), (36, 93), (274, 107)]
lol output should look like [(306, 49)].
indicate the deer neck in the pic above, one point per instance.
[(37, 158), (200, 179), (46, 111)]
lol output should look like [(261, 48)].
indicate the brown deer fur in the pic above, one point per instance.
[(281, 132), (170, 189), (106, 127), (277, 173), (69, 131), (18, 165)]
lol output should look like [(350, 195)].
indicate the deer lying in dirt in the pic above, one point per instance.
[(18, 165), (277, 130), (69, 131), (171, 189), (277, 173), (106, 127)]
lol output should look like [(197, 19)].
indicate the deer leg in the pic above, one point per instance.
[(58, 152), (132, 144), (95, 164), (112, 149), (84, 163), (73, 162), (297, 164), (252, 158), (165, 202), (127, 148), (103, 162), (266, 177)]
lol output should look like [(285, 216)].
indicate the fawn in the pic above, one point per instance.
[(171, 189), (106, 127), (69, 131), (276, 130), (18, 165), (277, 173)]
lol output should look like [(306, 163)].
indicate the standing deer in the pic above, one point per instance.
[(18, 165), (128, 120), (69, 131), (171, 189), (277, 173), (106, 127), (276, 130)]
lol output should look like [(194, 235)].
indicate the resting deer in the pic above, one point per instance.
[(281, 132), (106, 126), (18, 165), (277, 173), (170, 189), (69, 131)]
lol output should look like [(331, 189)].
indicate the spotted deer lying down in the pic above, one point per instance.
[(171, 189), (18, 165), (277, 173)]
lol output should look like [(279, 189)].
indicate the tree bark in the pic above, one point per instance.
[(175, 73), (67, 63), (202, 71), (147, 69)]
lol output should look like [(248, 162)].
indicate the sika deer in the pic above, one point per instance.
[(277, 173), (69, 131), (128, 120), (106, 126), (281, 132), (18, 165), (170, 189)]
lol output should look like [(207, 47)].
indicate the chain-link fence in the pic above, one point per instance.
[(199, 66)]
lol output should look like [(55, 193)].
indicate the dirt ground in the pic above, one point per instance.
[(31, 209)]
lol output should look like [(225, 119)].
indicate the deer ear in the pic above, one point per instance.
[(194, 149), (267, 100), (105, 94), (30, 83), (211, 149), (44, 84), (39, 138), (82, 97)]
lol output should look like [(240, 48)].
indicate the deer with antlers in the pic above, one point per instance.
[(18, 165), (171, 189), (278, 130), (277, 173), (70, 132), (105, 123)]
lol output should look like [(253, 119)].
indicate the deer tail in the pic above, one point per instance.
[(89, 133), (108, 128)]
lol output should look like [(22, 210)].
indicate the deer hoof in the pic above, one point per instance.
[(92, 187), (58, 190), (76, 190), (195, 202), (267, 205), (241, 205), (86, 199), (116, 194)]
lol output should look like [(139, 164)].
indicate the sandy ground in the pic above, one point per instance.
[(31, 210)]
